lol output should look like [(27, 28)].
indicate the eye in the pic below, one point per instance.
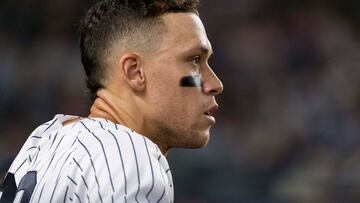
[(196, 60)]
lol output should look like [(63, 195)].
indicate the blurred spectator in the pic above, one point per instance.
[(288, 127)]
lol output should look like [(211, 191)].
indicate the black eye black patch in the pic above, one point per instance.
[(191, 81)]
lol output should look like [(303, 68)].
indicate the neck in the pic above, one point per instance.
[(103, 107), (111, 107)]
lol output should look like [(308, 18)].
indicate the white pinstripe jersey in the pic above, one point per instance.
[(91, 160)]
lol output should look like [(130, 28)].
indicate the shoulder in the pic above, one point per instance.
[(41, 141), (116, 162), (102, 140), (101, 132)]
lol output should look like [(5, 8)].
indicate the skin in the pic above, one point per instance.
[(143, 92)]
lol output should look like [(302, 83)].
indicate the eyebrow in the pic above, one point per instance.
[(203, 50)]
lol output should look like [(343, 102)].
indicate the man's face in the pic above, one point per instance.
[(181, 87)]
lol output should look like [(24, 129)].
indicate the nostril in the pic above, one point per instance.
[(214, 92)]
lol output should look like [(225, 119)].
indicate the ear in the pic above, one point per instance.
[(132, 70)]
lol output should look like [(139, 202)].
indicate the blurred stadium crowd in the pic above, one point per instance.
[(288, 127)]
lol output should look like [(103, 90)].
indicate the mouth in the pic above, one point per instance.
[(209, 114), (212, 110)]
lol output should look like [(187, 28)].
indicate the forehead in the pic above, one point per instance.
[(184, 31)]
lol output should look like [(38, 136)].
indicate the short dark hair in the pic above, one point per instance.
[(114, 20)]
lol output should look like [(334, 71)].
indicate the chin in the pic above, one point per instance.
[(200, 140), (189, 139)]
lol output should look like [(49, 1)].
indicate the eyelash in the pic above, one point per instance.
[(196, 60)]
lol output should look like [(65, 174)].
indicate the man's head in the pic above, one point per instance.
[(129, 24), (155, 69)]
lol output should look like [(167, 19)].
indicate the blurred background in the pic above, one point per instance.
[(288, 127)]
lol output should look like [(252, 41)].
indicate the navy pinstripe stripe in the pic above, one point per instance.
[(73, 181), (77, 163), (100, 196), (37, 154), (85, 127), (58, 177), (33, 147), (122, 162), (77, 196), (73, 125), (20, 166), (66, 191), (42, 189), (137, 167), (92, 164), (161, 196), (103, 149), (161, 173), (50, 125), (152, 172), (101, 125), (82, 177), (36, 137), (52, 158), (106, 160), (53, 154), (56, 134)]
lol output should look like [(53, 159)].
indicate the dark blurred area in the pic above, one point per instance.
[(288, 127)]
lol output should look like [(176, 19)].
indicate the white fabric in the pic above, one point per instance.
[(93, 160)]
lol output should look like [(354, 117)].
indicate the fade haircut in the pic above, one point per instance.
[(130, 23)]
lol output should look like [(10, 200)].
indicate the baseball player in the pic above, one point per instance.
[(147, 68)]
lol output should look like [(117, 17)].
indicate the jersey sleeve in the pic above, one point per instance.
[(28, 151)]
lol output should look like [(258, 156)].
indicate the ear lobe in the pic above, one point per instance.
[(132, 71)]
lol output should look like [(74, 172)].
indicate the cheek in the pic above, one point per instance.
[(172, 101), (187, 104), (179, 107)]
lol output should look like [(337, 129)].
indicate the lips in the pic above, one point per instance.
[(212, 110)]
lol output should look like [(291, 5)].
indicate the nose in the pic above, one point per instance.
[(211, 83)]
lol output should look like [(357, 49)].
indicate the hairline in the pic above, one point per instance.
[(134, 44)]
